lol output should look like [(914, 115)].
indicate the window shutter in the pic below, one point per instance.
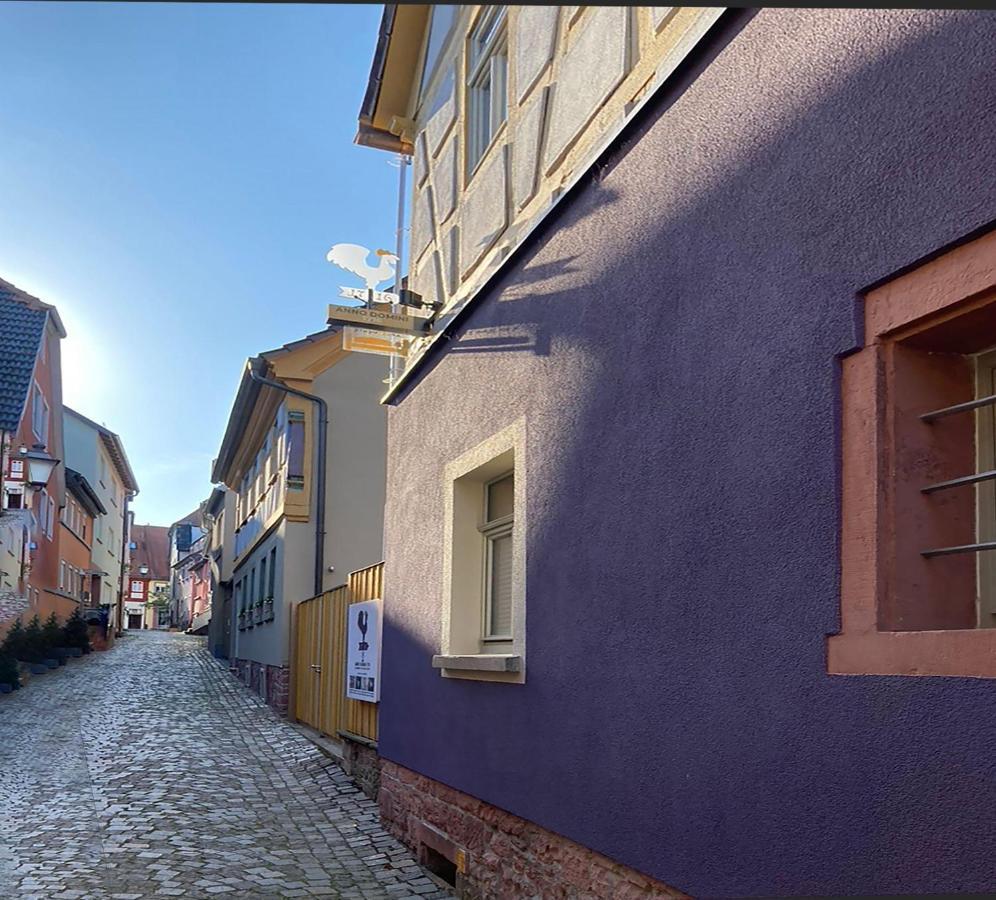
[(501, 585)]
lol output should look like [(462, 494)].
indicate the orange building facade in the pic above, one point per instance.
[(76, 528)]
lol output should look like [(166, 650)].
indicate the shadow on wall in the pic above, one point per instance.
[(685, 311)]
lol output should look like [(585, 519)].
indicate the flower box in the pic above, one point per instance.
[(268, 610), (258, 613)]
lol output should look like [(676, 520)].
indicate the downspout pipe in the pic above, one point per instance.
[(320, 464), (123, 575)]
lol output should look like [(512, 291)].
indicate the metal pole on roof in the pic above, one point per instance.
[(403, 163)]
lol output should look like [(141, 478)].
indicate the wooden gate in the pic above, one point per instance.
[(319, 663)]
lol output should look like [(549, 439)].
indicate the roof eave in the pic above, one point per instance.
[(368, 136), (245, 401), (77, 483), (372, 93)]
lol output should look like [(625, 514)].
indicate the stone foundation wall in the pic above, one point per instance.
[(500, 856), (273, 689), (362, 764)]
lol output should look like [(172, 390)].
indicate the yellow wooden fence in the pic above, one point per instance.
[(319, 663)]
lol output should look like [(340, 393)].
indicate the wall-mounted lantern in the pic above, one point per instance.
[(40, 465)]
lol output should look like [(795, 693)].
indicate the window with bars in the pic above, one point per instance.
[(918, 474), (487, 82), (964, 435)]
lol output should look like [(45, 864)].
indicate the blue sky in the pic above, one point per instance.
[(171, 177)]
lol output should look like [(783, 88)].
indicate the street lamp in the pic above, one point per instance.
[(40, 465)]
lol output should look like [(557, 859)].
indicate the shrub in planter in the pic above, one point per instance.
[(52, 639), (13, 644), (9, 676), (75, 634), (35, 650)]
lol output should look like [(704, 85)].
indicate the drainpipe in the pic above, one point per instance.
[(323, 422), (125, 534)]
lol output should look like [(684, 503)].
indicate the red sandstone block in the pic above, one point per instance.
[(456, 798), (386, 801), (492, 815), (576, 869)]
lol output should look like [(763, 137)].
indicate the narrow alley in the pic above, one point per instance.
[(148, 771)]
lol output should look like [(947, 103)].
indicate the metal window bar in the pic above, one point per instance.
[(958, 482), (958, 408), (964, 548)]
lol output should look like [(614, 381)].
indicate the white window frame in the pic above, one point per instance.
[(464, 651), (486, 82), (491, 531), (39, 428)]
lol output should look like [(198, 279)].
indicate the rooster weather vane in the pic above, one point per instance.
[(354, 258)]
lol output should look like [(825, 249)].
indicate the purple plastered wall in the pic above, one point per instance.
[(681, 320)]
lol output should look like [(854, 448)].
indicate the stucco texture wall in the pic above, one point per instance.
[(269, 642), (680, 322), (357, 437)]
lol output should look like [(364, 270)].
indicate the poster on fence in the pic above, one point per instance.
[(363, 633)]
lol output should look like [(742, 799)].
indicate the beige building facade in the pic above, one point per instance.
[(503, 109), (302, 518)]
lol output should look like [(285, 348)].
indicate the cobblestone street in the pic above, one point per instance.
[(148, 771)]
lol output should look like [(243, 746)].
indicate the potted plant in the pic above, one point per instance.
[(257, 609), (9, 677), (242, 620), (74, 634), (268, 609), (52, 635)]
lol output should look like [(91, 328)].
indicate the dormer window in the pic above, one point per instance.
[(487, 82)]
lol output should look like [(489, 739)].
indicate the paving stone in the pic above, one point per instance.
[(149, 771)]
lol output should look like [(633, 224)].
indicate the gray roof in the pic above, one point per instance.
[(21, 329)]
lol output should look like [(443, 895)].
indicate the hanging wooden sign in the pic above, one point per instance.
[(381, 343), (401, 322)]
